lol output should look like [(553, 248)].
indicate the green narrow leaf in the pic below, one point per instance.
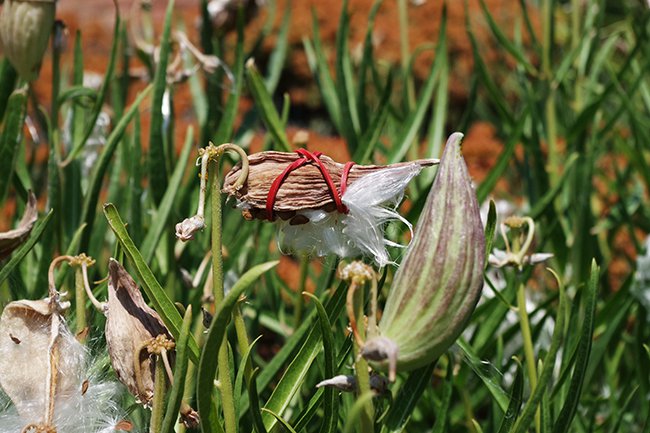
[(208, 361), (301, 338), (11, 138), (226, 124), (320, 68), (487, 377), (97, 177), (370, 138), (442, 413), (21, 252), (256, 413), (350, 127), (414, 120), (156, 294), (407, 397), (135, 203), (563, 421), (180, 370), (101, 95), (514, 406), (157, 161), (293, 377), (8, 79), (161, 217), (280, 50), (266, 108), (490, 228), (281, 420), (353, 416), (528, 413), (329, 422), (239, 380), (505, 42), (502, 164)]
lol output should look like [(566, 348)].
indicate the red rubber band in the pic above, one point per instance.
[(307, 156), (344, 176)]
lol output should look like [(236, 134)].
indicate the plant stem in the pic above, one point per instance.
[(158, 406), (80, 303), (242, 340), (551, 128), (529, 353), (361, 367), (300, 302), (227, 400)]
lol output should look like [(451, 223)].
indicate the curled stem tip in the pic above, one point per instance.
[(186, 229)]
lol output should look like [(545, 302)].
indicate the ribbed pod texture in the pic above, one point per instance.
[(438, 284)]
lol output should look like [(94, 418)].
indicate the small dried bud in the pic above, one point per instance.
[(189, 417), (25, 28), (12, 239), (185, 229), (438, 284), (340, 382), (131, 328), (378, 383)]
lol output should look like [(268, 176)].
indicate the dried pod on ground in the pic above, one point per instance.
[(130, 326), (12, 239), (438, 284), (323, 206), (25, 27)]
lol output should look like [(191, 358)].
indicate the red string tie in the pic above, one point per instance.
[(305, 157)]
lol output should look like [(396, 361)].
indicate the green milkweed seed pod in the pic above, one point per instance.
[(438, 284), (25, 27)]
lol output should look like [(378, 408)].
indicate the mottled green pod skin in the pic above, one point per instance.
[(25, 28), (438, 283)]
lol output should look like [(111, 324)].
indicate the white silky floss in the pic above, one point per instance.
[(371, 201)]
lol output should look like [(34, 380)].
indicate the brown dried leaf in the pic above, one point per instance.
[(12, 239), (304, 188), (130, 324)]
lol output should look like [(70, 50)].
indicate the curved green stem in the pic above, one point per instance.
[(300, 302), (225, 381), (80, 303), (158, 406), (529, 353), (361, 367)]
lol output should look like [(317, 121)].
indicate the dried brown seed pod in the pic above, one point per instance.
[(323, 206), (303, 189), (25, 27), (130, 326)]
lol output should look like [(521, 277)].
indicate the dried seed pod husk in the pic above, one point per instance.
[(130, 325), (303, 189), (12, 239), (437, 285), (309, 221), (40, 361), (25, 27)]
